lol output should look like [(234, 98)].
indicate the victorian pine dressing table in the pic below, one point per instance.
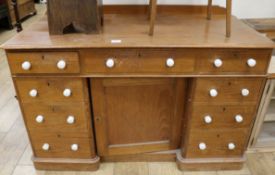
[(186, 94)]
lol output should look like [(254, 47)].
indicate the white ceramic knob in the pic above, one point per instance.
[(61, 64), (110, 63), (70, 119), (245, 92), (251, 62), (213, 93), (208, 119), (202, 146), (231, 146), (26, 65), (239, 118), (46, 147), (39, 119), (33, 93), (218, 62), (67, 92), (170, 62), (74, 147)]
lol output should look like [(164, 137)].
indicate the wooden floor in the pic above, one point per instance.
[(15, 151)]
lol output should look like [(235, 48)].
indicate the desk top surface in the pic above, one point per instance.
[(171, 31)]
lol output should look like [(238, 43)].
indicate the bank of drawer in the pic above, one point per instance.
[(71, 118), (222, 116), (228, 90), (138, 61), (58, 147), (229, 61), (44, 62), (51, 89), (216, 143)]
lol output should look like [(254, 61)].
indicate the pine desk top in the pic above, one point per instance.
[(171, 31)]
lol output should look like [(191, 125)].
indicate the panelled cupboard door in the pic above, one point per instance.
[(137, 115)]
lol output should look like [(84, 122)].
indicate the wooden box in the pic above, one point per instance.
[(74, 16)]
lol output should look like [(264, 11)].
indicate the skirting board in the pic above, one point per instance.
[(163, 156), (66, 164), (201, 164)]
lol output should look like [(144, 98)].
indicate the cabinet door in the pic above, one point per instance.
[(137, 115)]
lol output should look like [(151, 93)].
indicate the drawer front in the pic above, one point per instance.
[(233, 61), (71, 118), (222, 116), (54, 147), (216, 143), (51, 89), (44, 62), (138, 61), (228, 90)]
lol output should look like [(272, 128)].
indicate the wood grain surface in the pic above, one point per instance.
[(176, 31), (137, 115)]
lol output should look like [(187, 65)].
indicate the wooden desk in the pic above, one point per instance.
[(186, 94)]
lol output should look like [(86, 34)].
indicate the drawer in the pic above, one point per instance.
[(74, 118), (51, 89), (228, 90), (44, 62), (137, 61), (215, 143), (222, 116), (58, 147), (233, 61)]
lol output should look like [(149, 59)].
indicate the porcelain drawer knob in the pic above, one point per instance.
[(245, 92), (70, 119), (39, 119), (218, 62), (67, 92), (110, 63), (202, 146), (213, 93), (251, 62), (46, 147), (231, 146), (61, 64), (74, 147), (208, 119), (26, 65), (239, 118), (33, 93), (170, 62)]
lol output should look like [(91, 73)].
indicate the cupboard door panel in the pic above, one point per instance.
[(137, 115)]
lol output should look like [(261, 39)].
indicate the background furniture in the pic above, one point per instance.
[(181, 95), (153, 12), (25, 9), (263, 25), (17, 17), (4, 14), (263, 134), (87, 16), (228, 15)]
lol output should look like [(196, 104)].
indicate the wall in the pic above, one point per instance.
[(241, 8)]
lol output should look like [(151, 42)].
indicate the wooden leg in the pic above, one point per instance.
[(149, 9), (209, 9), (17, 17), (153, 12), (228, 17)]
